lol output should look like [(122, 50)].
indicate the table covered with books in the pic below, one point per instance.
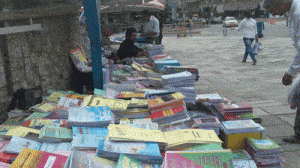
[(149, 114)]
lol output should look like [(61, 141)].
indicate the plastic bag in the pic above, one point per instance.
[(294, 96), (257, 47)]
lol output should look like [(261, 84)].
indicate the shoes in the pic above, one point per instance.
[(254, 63), (292, 139), (244, 61)]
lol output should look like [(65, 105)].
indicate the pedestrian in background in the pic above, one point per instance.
[(280, 7), (260, 28), (248, 25), (191, 25)]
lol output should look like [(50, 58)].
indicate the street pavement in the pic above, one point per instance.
[(219, 60)]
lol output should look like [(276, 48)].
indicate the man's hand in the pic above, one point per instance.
[(287, 79)]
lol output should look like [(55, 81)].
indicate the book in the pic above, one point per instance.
[(50, 133), (51, 147), (90, 130), (145, 151), (128, 95), (3, 144), (207, 122), (90, 116), (83, 159), (167, 106), (59, 112), (4, 165), (80, 61), (159, 64), (125, 161), (241, 126), (16, 144), (7, 158), (55, 97), (75, 96), (242, 163), (87, 141), (241, 154), (45, 107), (113, 104), (20, 131), (39, 123), (138, 103), (37, 115), (212, 98), (166, 113), (15, 120), (69, 102), (214, 158), (165, 100), (39, 159), (263, 143), (5, 128)]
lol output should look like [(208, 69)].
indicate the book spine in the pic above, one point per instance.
[(165, 113)]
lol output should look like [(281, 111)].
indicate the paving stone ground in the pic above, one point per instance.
[(218, 59)]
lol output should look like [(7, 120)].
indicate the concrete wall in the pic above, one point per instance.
[(42, 57)]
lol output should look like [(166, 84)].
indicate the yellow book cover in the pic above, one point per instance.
[(191, 136), (28, 158), (74, 96), (36, 122), (55, 96), (114, 104), (165, 99), (140, 102), (21, 131), (129, 133), (137, 110), (44, 106)]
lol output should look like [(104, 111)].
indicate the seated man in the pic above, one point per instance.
[(127, 48)]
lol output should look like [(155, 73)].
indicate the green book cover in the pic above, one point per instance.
[(15, 121), (241, 154), (263, 143), (126, 161), (37, 115)]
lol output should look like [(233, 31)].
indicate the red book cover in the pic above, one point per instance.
[(166, 106), (52, 160), (234, 107), (7, 157), (168, 112)]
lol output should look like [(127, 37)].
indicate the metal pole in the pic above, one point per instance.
[(92, 14)]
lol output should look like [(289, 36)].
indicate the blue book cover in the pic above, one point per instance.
[(87, 141), (16, 145), (51, 147), (90, 114), (90, 130)]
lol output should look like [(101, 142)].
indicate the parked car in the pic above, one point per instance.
[(230, 21), (217, 20)]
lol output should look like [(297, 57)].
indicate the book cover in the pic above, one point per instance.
[(183, 75), (167, 112), (55, 97), (37, 115), (263, 143), (207, 121), (7, 158), (130, 95), (90, 130), (87, 141), (55, 134), (75, 96), (239, 124), (59, 112), (114, 104), (126, 161), (4, 165), (39, 123), (20, 131), (90, 160), (245, 163), (241, 154), (98, 114), (39, 159), (199, 159), (165, 99), (204, 147), (69, 102), (3, 144), (80, 61), (16, 144), (45, 107), (51, 147), (15, 120), (167, 106)]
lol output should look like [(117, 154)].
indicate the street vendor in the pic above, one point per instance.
[(127, 48), (150, 28)]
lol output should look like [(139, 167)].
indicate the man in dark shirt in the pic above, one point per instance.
[(127, 48)]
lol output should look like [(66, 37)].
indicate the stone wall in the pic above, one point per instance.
[(42, 57)]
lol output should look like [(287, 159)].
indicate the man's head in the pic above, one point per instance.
[(131, 34), (247, 14), (277, 7), (146, 14)]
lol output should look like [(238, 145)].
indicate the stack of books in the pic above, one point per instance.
[(161, 57), (241, 158), (177, 69), (210, 123), (168, 109), (233, 111), (265, 152), (159, 65), (241, 126), (190, 93), (213, 98), (153, 93), (182, 79)]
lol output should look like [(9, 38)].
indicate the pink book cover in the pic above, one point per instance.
[(237, 106), (176, 160), (52, 160), (4, 165), (3, 145)]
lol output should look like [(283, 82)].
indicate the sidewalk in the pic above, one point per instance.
[(218, 59)]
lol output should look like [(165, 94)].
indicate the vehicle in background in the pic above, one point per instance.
[(230, 21), (217, 20), (202, 20)]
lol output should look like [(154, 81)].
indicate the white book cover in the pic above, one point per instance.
[(16, 145), (240, 124), (90, 114), (177, 75)]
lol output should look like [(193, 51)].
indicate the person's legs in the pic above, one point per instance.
[(246, 41), (295, 138), (250, 51)]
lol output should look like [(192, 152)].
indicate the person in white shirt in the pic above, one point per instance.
[(248, 24), (150, 27), (280, 7)]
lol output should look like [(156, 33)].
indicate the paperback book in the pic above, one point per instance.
[(37, 115), (45, 107), (39, 123), (50, 133), (51, 147), (69, 102), (59, 112), (87, 142), (90, 160), (55, 97), (103, 131), (114, 104), (16, 144), (165, 100)]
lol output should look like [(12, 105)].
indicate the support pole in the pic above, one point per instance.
[(92, 14)]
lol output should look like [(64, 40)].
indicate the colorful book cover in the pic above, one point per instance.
[(16, 144), (263, 143), (130, 95), (90, 130), (3, 144), (168, 112), (21, 131), (45, 107), (126, 161), (37, 115), (246, 163), (199, 159), (207, 121), (55, 97), (88, 141), (90, 114), (39, 123), (90, 160), (239, 124), (69, 102), (50, 132), (75, 96), (4, 165), (15, 120), (241, 154), (39, 159), (165, 99), (80, 61), (59, 112), (114, 104), (7, 157)]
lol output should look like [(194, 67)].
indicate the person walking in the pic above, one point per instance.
[(280, 7), (248, 25)]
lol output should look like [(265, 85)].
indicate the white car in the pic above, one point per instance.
[(230, 21)]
